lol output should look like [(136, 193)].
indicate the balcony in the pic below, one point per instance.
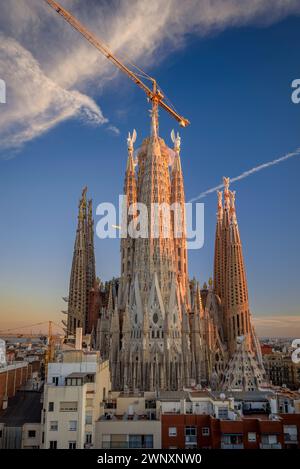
[(289, 438), (270, 445), (232, 446)]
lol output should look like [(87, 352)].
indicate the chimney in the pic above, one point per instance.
[(78, 339)]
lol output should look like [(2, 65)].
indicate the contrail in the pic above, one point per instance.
[(248, 173)]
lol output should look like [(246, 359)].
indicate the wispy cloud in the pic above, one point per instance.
[(248, 173), (44, 102), (52, 74), (114, 129)]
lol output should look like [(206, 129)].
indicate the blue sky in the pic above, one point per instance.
[(235, 88)]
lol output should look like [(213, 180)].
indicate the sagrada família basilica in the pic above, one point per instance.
[(157, 327)]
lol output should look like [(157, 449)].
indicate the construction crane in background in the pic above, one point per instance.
[(49, 355), (154, 95), (50, 338)]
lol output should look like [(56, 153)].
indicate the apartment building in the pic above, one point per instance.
[(234, 421), (76, 386), (129, 420)]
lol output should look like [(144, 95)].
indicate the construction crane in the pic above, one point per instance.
[(49, 355), (154, 95), (51, 339)]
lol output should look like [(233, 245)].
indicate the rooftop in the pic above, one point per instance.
[(79, 375), (244, 395), (173, 395), (24, 407)]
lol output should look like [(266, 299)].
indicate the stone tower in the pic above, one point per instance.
[(230, 285), (83, 274), (154, 327), (129, 216), (179, 221)]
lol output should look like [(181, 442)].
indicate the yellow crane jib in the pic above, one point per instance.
[(155, 95)]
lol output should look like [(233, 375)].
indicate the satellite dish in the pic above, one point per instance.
[(222, 396)]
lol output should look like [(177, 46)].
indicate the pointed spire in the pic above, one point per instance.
[(82, 205), (114, 325), (91, 264), (179, 219), (243, 372), (185, 321), (177, 162), (79, 279), (128, 217), (199, 306), (90, 210), (126, 320), (218, 254), (220, 206), (237, 312), (110, 300), (232, 207), (130, 147), (226, 182)]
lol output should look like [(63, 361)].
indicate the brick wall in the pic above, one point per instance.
[(12, 378)]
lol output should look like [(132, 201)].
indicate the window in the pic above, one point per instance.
[(114, 441), (51, 407), (205, 431), (172, 431), (89, 403), (140, 441), (223, 413), (190, 436), (118, 441), (55, 380), (53, 444), (72, 444), (74, 381), (105, 441), (68, 406), (290, 433), (229, 439), (88, 438), (251, 437), (88, 419), (150, 404), (72, 425), (0, 433), (54, 426), (269, 439), (31, 433)]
